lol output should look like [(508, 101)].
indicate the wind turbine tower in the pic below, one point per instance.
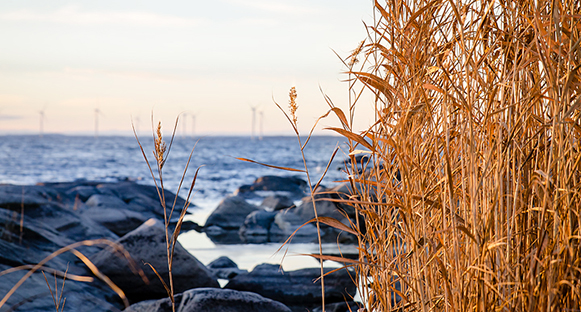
[(261, 122), (253, 108), (41, 128), (184, 126), (97, 112), (193, 125)]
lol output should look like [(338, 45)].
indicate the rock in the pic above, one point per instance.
[(100, 200), (34, 243), (230, 213), (296, 289), (325, 207), (120, 221), (290, 186), (276, 202), (209, 300), (82, 192), (225, 268), (147, 244), (222, 263), (286, 223), (256, 227), (187, 226), (34, 296), (142, 197)]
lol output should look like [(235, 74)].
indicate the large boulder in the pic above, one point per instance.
[(210, 300), (290, 186), (30, 244), (230, 213), (276, 202), (120, 221), (326, 201), (223, 224), (286, 222), (146, 244), (225, 268), (296, 289), (34, 295), (256, 227)]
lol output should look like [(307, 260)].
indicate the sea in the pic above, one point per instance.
[(31, 159)]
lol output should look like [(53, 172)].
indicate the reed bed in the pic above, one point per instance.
[(470, 195)]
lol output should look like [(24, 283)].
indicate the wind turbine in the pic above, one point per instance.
[(137, 123), (193, 125), (253, 108), (41, 121), (260, 123), (184, 126), (97, 113)]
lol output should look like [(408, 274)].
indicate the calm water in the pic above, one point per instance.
[(56, 158)]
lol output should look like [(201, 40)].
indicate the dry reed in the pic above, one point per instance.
[(470, 201), (161, 152)]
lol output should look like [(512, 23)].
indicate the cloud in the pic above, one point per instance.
[(73, 15)]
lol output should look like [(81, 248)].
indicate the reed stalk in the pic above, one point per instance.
[(470, 200)]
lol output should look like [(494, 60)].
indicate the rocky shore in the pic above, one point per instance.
[(37, 220)]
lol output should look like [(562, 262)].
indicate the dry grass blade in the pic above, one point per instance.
[(333, 223), (73, 277), (167, 289), (270, 166), (352, 136)]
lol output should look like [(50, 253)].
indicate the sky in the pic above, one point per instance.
[(77, 62)]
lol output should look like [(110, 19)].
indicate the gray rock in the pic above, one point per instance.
[(298, 288), (120, 221), (34, 296), (146, 244), (211, 299), (292, 186), (286, 223), (256, 227), (276, 202), (325, 207), (225, 268), (222, 263), (143, 197), (230, 213), (82, 192), (104, 200)]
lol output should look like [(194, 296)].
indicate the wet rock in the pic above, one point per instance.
[(297, 289), (290, 186), (286, 223), (82, 192), (120, 221), (230, 213), (276, 202), (209, 300), (225, 268), (327, 205), (256, 227), (146, 244), (222, 263), (34, 296)]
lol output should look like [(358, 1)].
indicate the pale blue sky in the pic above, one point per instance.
[(212, 58)]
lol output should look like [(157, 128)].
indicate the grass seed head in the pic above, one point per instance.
[(160, 147), (293, 104)]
